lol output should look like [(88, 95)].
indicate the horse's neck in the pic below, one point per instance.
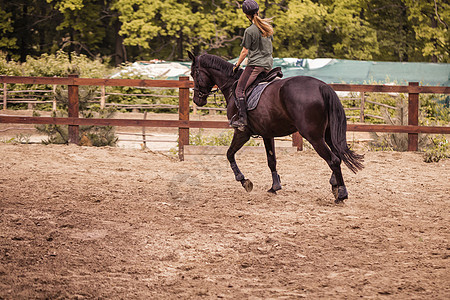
[(225, 84)]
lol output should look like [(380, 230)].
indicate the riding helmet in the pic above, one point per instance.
[(250, 7)]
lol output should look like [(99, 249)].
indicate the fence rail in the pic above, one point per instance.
[(183, 123)]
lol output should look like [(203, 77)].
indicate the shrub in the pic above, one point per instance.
[(9, 68), (438, 149), (394, 141), (88, 135), (223, 139), (62, 64)]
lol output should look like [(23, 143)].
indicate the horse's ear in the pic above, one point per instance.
[(191, 56)]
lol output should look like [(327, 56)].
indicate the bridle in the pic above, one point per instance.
[(214, 92), (207, 94)]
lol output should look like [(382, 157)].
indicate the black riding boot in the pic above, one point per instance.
[(241, 121)]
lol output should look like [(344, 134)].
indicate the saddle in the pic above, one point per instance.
[(262, 77)]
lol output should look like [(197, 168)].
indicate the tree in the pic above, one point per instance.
[(81, 29), (299, 29), (23, 23), (394, 30), (351, 36), (395, 35), (430, 21), (169, 27), (7, 40)]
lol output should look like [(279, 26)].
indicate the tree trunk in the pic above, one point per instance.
[(24, 34), (120, 55)]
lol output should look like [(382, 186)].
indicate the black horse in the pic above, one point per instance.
[(299, 103)]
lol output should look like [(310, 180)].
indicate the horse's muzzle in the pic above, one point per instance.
[(200, 98)]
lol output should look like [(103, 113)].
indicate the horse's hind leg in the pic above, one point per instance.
[(333, 180), (272, 161), (239, 139), (334, 163)]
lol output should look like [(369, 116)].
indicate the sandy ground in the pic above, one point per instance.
[(79, 222)]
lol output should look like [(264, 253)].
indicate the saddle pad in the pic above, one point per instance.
[(253, 98)]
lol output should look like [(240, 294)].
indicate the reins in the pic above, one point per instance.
[(207, 94)]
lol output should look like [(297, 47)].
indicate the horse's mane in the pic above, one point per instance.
[(217, 63)]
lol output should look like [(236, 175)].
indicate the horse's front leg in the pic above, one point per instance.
[(239, 139), (269, 143)]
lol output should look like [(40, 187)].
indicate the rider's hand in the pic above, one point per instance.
[(235, 68)]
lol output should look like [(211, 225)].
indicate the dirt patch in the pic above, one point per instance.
[(79, 222)]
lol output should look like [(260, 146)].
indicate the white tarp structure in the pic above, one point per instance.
[(153, 70)]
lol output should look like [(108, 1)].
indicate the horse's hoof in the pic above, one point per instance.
[(335, 190), (341, 194), (274, 188), (337, 201), (247, 184)]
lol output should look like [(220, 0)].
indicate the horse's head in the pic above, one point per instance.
[(202, 82)]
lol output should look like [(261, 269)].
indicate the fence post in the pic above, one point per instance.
[(74, 109), (413, 118), (144, 139), (103, 97), (297, 141), (5, 96), (361, 108), (183, 113), (54, 106)]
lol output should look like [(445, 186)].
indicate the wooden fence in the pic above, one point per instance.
[(33, 97), (184, 124)]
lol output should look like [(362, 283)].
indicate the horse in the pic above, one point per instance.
[(300, 103)]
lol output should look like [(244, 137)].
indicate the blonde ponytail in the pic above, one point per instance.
[(264, 25)]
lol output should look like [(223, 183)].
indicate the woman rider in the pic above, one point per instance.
[(257, 45)]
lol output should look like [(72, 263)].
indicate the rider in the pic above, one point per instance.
[(257, 44)]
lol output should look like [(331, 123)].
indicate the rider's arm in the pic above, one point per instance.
[(242, 56)]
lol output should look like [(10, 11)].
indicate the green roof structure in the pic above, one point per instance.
[(367, 72)]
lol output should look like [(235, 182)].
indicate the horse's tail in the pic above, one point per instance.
[(338, 130)]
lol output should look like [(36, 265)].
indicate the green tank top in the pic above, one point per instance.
[(260, 48)]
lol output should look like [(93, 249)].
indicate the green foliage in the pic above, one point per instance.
[(435, 109), (394, 141), (299, 30), (62, 64), (395, 34), (438, 149), (89, 135), (163, 24), (351, 35), (56, 134), (129, 95), (7, 41), (129, 30), (97, 136), (430, 24), (18, 139), (10, 68)]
